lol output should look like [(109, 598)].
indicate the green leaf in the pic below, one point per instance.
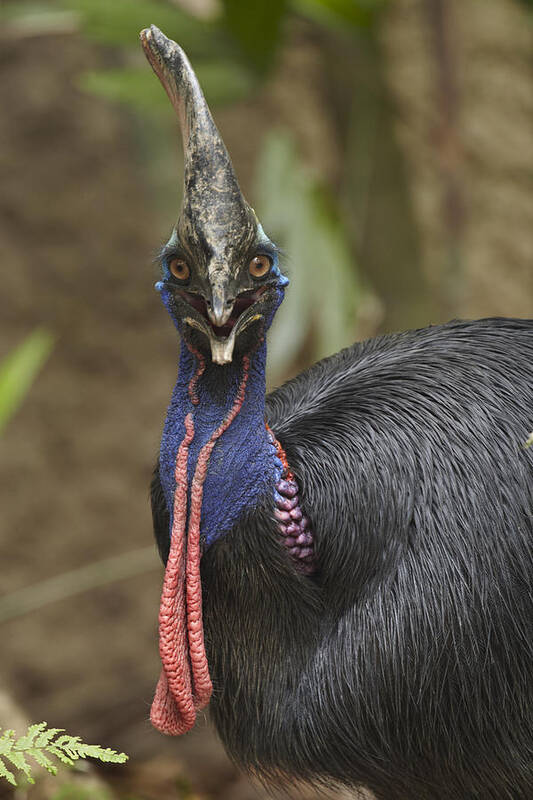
[(298, 212), (59, 754), (43, 760), (39, 743), (5, 773), (70, 791), (6, 741), (118, 22), (104, 754), (222, 82), (135, 87), (336, 291), (18, 370), (19, 762), (27, 741), (66, 741), (256, 27), (47, 735), (339, 13)]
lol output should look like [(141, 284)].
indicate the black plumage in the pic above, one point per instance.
[(405, 663)]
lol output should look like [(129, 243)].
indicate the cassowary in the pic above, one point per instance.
[(348, 560)]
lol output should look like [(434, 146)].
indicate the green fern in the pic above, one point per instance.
[(41, 742)]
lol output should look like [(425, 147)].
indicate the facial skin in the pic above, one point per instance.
[(221, 308)]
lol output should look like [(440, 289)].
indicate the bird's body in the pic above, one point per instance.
[(405, 663), (397, 653)]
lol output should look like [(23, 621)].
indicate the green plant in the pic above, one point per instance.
[(18, 370), (71, 791), (41, 742), (297, 210)]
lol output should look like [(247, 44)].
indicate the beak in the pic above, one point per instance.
[(224, 319), (220, 310)]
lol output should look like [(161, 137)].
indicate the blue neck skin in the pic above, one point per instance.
[(243, 467)]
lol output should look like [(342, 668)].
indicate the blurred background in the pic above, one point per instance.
[(385, 144)]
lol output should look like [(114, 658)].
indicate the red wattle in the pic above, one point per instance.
[(185, 685), (173, 709)]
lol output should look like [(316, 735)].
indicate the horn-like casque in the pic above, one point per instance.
[(214, 215)]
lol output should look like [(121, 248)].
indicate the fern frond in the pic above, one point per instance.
[(43, 760), (47, 736), (6, 740), (41, 742), (104, 754), (5, 773), (17, 758), (27, 741), (60, 755)]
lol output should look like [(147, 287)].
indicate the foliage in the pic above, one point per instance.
[(229, 53), (257, 28), (118, 23), (41, 742), (223, 81), (18, 370), (529, 441), (341, 13), (71, 791), (297, 211)]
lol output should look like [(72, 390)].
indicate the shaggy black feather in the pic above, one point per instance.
[(405, 665)]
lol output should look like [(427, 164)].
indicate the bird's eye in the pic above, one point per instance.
[(180, 269), (259, 266)]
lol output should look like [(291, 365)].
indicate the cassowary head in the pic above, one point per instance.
[(221, 282)]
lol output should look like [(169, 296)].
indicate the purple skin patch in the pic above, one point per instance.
[(292, 523)]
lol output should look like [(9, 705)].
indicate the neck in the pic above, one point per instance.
[(242, 468)]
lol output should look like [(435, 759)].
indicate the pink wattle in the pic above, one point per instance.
[(184, 685)]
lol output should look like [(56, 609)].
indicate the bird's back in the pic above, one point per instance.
[(405, 662)]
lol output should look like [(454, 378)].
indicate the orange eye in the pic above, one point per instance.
[(259, 266), (179, 269)]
